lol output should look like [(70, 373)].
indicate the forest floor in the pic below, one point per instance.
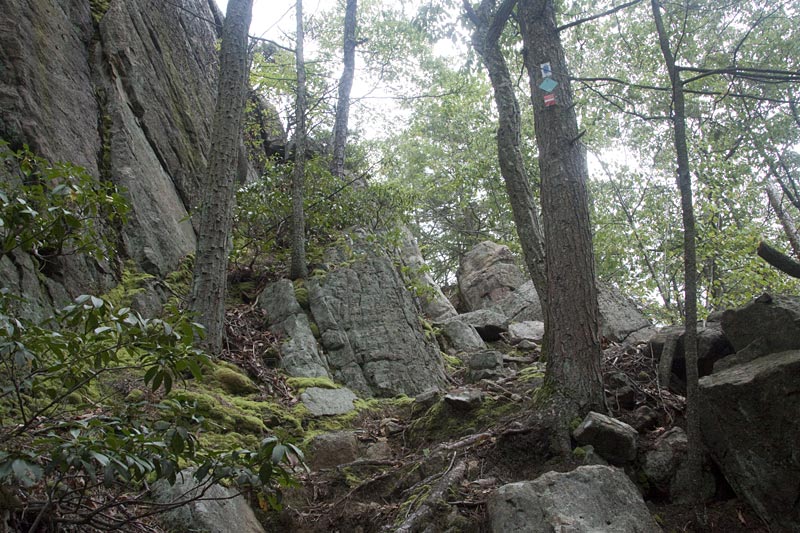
[(433, 466)]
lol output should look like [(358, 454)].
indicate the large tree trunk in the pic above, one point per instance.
[(690, 474), (488, 27), (209, 283), (345, 86), (299, 268), (572, 345)]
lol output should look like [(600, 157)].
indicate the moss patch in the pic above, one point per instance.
[(441, 422), (300, 384), (132, 283), (232, 381)]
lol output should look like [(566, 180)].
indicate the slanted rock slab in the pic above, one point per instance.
[(750, 424), (588, 499), (217, 509), (530, 330), (461, 336), (611, 438), (489, 324), (464, 399), (326, 402)]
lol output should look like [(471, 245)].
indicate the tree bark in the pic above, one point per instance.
[(572, 345), (209, 282), (690, 475), (485, 39), (789, 227), (779, 260), (299, 268), (345, 86)]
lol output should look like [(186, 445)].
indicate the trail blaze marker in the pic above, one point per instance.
[(548, 85), (549, 99)]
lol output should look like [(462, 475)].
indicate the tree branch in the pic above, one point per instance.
[(779, 260), (597, 16)]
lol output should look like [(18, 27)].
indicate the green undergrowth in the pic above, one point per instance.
[(442, 422), (132, 282)]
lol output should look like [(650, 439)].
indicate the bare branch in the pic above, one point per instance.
[(597, 16)]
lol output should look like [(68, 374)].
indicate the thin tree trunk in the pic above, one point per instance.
[(779, 260), (787, 222), (345, 86), (209, 282), (299, 269), (485, 39), (572, 345), (690, 476)]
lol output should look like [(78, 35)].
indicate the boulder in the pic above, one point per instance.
[(464, 399), (326, 402), (768, 324), (488, 323), (611, 438), (712, 345), (328, 450), (300, 354), (530, 330), (522, 305), (487, 275), (588, 499), (461, 336), (750, 424), (370, 329), (434, 303), (621, 320), (486, 364), (661, 463), (215, 509)]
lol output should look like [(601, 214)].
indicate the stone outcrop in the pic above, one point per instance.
[(767, 325), (712, 345), (370, 330), (216, 508), (434, 303), (487, 275), (588, 499), (750, 424), (461, 336), (614, 440), (126, 90)]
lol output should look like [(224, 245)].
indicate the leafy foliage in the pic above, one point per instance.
[(51, 209), (60, 444)]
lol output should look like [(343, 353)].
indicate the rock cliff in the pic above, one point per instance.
[(125, 89)]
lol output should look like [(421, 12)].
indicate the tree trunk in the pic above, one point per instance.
[(299, 269), (209, 282), (690, 475), (779, 260), (345, 85), (787, 222), (572, 345), (485, 39)]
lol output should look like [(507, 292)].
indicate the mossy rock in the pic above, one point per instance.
[(135, 396), (233, 382), (441, 422), (301, 295), (300, 384), (131, 283)]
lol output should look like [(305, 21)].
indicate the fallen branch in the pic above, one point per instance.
[(427, 508), (779, 260)]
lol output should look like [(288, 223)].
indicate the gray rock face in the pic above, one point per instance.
[(588, 499), (328, 450), (327, 402), (487, 275), (219, 510), (130, 98), (620, 318), (435, 305), (486, 364), (300, 354), (371, 332), (749, 418), (530, 330), (462, 337), (611, 438), (712, 345), (767, 325), (464, 399), (661, 463), (488, 323), (522, 305)]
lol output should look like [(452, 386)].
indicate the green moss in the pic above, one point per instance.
[(441, 422), (574, 423), (135, 396), (452, 362), (579, 453), (314, 330), (301, 294), (179, 281), (300, 384), (98, 8), (131, 284), (530, 373), (233, 382), (221, 413), (227, 441), (237, 292)]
